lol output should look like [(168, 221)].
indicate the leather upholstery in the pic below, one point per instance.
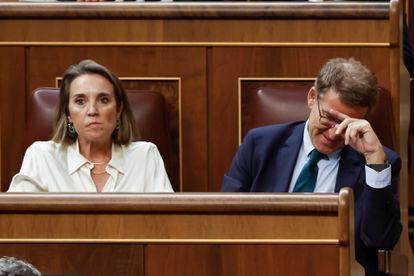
[(148, 107), (285, 103), (41, 114)]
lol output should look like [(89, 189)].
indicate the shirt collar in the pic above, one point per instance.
[(76, 160), (117, 160), (308, 146)]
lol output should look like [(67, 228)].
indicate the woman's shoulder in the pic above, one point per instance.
[(43, 150), (44, 146), (140, 146)]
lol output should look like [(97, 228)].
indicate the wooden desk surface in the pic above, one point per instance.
[(187, 231)]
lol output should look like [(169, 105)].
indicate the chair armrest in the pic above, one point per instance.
[(392, 263)]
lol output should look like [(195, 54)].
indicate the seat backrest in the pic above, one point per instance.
[(149, 111), (286, 103)]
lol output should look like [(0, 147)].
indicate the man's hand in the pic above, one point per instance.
[(359, 134)]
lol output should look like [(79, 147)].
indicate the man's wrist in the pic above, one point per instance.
[(377, 157)]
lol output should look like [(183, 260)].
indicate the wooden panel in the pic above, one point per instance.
[(197, 22), (171, 90), (297, 38), (174, 226), (343, 31), (174, 218), (306, 31), (45, 64), (226, 10), (261, 62), (239, 260), (80, 259), (206, 151), (12, 111), (183, 232)]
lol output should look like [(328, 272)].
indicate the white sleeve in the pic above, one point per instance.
[(156, 176), (28, 179), (378, 180)]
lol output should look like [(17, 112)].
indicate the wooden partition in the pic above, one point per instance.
[(199, 56), (180, 234)]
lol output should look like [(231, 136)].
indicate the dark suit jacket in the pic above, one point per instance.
[(265, 163)]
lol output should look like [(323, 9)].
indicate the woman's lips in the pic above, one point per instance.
[(93, 124)]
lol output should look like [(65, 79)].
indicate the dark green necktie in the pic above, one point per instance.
[(307, 178)]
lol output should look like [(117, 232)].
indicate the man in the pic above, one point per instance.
[(336, 147), (10, 266)]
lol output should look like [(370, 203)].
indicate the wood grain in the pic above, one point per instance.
[(12, 111), (180, 234), (271, 63), (188, 99), (206, 260), (80, 259), (195, 31), (196, 10)]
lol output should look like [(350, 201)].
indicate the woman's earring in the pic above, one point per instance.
[(118, 124), (71, 129)]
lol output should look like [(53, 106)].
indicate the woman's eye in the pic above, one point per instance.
[(104, 100), (79, 101)]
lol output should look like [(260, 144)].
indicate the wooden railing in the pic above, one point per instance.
[(181, 233)]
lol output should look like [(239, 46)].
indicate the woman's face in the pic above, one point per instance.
[(92, 108)]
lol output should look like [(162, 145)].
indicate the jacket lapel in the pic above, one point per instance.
[(350, 169), (286, 159)]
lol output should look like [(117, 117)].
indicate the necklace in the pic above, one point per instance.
[(97, 173), (99, 163)]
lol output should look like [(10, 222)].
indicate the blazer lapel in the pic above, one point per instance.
[(286, 159), (350, 169)]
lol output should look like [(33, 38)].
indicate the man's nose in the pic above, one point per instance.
[(333, 135)]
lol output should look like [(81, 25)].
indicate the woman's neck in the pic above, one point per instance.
[(96, 152)]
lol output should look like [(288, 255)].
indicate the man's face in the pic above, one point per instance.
[(322, 122)]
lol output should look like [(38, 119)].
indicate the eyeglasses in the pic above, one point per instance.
[(324, 117)]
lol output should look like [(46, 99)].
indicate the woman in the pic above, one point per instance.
[(92, 149)]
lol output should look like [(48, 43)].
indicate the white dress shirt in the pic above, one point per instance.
[(49, 167), (328, 169)]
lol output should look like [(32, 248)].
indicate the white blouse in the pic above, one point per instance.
[(49, 167)]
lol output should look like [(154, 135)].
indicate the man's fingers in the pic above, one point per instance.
[(337, 115), (355, 129), (340, 128)]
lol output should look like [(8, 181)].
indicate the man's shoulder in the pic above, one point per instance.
[(272, 131)]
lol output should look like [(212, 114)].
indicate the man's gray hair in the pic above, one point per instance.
[(353, 81), (11, 266)]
